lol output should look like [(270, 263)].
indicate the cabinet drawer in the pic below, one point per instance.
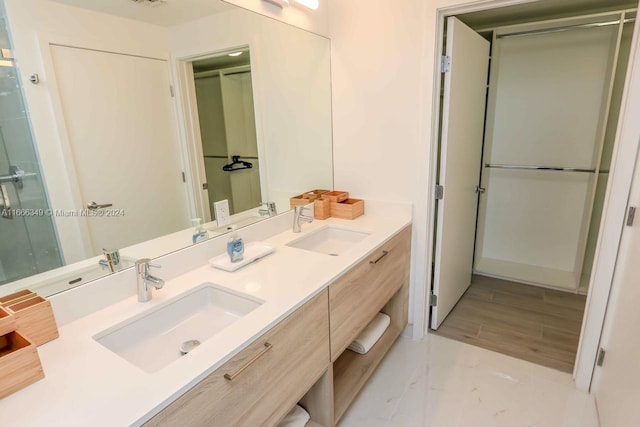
[(356, 297), (259, 385)]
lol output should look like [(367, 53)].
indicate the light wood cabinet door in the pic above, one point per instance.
[(356, 297), (259, 385)]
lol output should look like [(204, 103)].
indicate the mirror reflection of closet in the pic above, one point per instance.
[(224, 95)]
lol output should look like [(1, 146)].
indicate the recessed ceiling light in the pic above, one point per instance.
[(235, 54)]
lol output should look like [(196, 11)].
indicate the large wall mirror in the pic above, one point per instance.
[(124, 121)]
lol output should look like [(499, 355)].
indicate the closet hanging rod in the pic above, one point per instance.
[(562, 29), (537, 168)]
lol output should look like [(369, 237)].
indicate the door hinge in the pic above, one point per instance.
[(601, 354), (171, 91), (433, 300), (205, 185), (445, 64), (184, 177), (439, 192), (631, 215)]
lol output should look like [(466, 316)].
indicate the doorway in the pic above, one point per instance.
[(223, 143), (552, 103), (225, 104)]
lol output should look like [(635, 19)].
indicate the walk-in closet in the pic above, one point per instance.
[(525, 153)]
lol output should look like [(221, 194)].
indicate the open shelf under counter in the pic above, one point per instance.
[(318, 401), (351, 370)]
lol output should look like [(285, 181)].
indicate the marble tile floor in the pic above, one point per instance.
[(439, 382)]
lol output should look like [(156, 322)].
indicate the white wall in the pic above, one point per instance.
[(312, 20), (32, 21), (292, 94), (381, 62)]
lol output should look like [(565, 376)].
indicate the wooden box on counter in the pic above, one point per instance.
[(7, 322), (349, 209), (34, 319), (26, 321), (19, 363), (314, 194), (322, 208), (306, 198), (16, 297), (299, 200), (336, 196)]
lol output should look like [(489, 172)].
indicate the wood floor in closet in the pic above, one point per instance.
[(528, 322)]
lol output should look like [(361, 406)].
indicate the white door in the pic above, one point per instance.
[(464, 101), (616, 384), (118, 116)]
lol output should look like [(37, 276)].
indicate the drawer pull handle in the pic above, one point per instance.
[(384, 254), (266, 348)]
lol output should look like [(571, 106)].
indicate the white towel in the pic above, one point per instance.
[(298, 417), (371, 334)]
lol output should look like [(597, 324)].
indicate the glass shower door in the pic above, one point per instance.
[(28, 242)]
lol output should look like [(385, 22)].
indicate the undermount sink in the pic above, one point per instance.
[(163, 335), (329, 240)]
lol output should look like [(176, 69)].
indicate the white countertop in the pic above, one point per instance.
[(88, 385)]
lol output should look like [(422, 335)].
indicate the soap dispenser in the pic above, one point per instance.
[(199, 233), (235, 246)]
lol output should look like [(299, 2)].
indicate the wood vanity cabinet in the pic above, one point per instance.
[(303, 358), (259, 385), (380, 283), (356, 297)]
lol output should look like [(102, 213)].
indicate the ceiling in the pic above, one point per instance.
[(542, 9), (221, 61), (172, 12)]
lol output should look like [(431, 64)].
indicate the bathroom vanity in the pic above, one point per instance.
[(307, 347), (288, 347)]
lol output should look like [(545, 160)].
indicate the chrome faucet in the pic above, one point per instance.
[(299, 216), (145, 280), (270, 209), (111, 260)]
